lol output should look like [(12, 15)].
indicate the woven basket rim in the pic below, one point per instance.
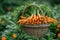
[(36, 26)]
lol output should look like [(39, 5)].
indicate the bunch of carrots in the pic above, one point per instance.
[(36, 19)]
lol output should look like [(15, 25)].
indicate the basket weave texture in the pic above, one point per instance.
[(35, 30)]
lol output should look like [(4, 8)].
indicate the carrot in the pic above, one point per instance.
[(22, 17), (58, 26), (58, 35), (36, 19)]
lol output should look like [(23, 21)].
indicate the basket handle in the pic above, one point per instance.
[(23, 12)]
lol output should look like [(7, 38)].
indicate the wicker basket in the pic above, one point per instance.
[(35, 30)]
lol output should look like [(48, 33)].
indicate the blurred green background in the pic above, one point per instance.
[(10, 11), (10, 5)]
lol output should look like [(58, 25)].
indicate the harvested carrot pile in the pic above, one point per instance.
[(36, 19)]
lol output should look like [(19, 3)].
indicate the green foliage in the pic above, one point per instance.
[(57, 8), (10, 19), (48, 11)]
